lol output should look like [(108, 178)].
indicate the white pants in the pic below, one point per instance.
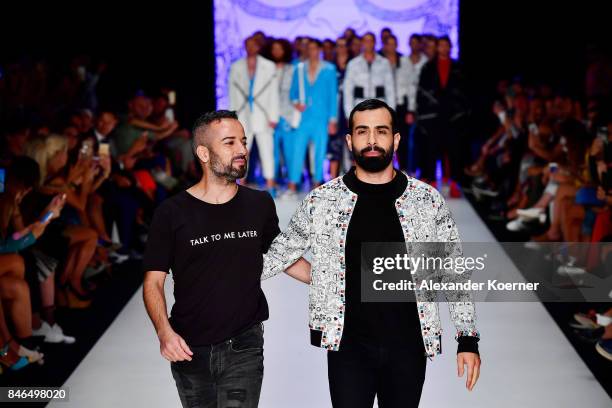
[(265, 146)]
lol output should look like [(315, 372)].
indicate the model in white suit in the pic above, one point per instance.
[(253, 91), (367, 76)]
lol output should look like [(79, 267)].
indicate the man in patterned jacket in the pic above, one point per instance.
[(375, 348)]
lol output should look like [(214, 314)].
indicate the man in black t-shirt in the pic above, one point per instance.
[(376, 349), (212, 237)]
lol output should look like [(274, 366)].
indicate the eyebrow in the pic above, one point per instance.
[(376, 127), (231, 138)]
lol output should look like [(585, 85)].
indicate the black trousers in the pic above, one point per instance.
[(360, 370), (438, 138)]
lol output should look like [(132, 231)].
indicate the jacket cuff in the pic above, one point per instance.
[(467, 344)]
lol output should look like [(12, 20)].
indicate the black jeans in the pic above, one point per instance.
[(224, 375), (359, 371)]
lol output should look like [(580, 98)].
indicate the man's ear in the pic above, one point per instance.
[(396, 141), (203, 153), (349, 141)]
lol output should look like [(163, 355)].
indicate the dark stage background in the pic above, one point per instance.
[(148, 45)]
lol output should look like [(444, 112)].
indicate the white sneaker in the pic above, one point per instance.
[(570, 270), (60, 333), (53, 334), (43, 330), (530, 213), (515, 225)]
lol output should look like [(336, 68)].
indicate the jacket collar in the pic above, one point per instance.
[(395, 188)]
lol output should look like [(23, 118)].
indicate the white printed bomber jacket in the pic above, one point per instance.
[(320, 225)]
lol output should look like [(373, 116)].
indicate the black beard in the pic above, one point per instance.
[(227, 171), (374, 164)]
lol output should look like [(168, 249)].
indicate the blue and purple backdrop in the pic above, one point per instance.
[(237, 19)]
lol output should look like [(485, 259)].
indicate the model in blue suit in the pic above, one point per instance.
[(320, 112)]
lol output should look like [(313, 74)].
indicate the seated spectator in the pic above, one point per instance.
[(132, 146), (177, 147), (15, 287), (77, 182)]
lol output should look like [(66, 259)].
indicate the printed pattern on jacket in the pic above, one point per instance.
[(320, 225)]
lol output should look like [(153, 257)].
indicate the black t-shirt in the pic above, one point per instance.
[(215, 253), (375, 219)]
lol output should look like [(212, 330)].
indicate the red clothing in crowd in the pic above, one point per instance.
[(444, 70)]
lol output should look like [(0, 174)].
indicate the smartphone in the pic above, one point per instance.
[(84, 152), (172, 98), (104, 149), (46, 217), (2, 178)]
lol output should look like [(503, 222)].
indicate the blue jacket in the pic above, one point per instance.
[(321, 97)]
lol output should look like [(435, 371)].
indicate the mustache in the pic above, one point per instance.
[(373, 148)]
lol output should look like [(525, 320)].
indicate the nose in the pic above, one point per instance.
[(371, 140), (243, 150)]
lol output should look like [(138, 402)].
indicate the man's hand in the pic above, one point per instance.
[(472, 360), (172, 346), (300, 106)]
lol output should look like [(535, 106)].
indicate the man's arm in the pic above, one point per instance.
[(290, 245), (460, 303), (172, 346)]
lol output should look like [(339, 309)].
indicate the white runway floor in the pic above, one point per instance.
[(527, 362)]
